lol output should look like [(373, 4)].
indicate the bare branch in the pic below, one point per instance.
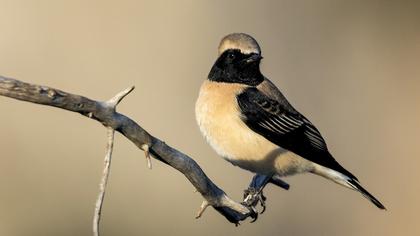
[(105, 113), (104, 181)]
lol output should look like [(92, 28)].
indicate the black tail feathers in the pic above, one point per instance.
[(355, 184)]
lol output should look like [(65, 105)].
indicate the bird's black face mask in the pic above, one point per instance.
[(232, 66)]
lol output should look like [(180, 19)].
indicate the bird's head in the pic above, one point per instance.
[(238, 61)]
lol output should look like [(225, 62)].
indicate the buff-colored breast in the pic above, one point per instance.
[(219, 120)]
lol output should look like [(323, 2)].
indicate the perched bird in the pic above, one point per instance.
[(248, 121)]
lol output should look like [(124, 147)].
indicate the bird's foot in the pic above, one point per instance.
[(252, 197), (254, 194)]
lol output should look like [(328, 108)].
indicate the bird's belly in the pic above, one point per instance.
[(240, 146), (230, 137), (253, 152)]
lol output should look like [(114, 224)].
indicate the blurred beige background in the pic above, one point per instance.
[(352, 67)]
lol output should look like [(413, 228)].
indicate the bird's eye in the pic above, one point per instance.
[(231, 56)]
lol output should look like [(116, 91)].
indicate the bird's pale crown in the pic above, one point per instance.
[(241, 41)]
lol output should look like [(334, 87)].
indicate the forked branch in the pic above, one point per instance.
[(105, 113)]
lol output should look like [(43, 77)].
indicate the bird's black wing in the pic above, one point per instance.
[(281, 124)]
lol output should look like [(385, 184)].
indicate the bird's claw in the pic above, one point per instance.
[(254, 194), (253, 213), (252, 197)]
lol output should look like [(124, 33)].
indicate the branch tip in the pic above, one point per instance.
[(203, 207), (119, 97), (145, 148)]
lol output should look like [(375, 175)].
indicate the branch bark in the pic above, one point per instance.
[(105, 113)]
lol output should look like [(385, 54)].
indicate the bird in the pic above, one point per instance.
[(247, 120)]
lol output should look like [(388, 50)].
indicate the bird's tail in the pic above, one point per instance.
[(349, 182), (354, 184)]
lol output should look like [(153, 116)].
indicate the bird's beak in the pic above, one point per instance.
[(254, 58)]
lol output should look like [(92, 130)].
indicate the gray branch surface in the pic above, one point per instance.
[(105, 113)]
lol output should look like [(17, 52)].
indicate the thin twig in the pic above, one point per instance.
[(113, 102), (203, 207), (145, 148), (104, 181)]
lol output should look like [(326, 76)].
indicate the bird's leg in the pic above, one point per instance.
[(254, 194), (275, 179)]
